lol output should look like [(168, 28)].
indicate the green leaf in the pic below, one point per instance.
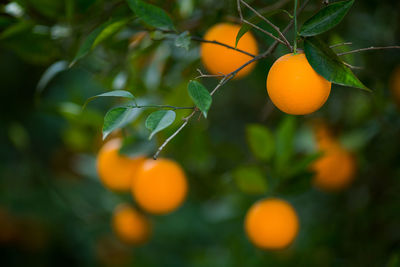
[(326, 63), (261, 141), (97, 36), (284, 143), (183, 40), (200, 96), (255, 20), (109, 31), (115, 93), (326, 18), (250, 180), (159, 120), (117, 118), (151, 15)]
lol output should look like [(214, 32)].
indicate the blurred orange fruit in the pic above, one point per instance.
[(335, 169), (294, 87), (222, 60), (160, 186), (271, 224), (130, 225), (116, 171)]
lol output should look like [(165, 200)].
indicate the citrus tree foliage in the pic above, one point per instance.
[(77, 72)]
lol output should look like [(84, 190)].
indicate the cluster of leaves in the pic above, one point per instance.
[(273, 152), (119, 117), (48, 146), (320, 56)]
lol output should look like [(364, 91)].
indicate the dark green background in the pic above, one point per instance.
[(55, 212)]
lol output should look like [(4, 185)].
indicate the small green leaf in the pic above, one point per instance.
[(261, 141), (97, 36), (109, 30), (115, 93), (200, 96), (255, 20), (117, 118), (183, 40), (327, 64), (326, 18), (250, 180), (159, 120), (151, 15), (284, 143)]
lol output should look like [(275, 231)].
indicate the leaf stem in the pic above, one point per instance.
[(369, 48), (198, 39), (161, 107), (295, 27), (186, 120)]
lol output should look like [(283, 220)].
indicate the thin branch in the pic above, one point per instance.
[(264, 31), (351, 66), (186, 120), (239, 10), (225, 79), (161, 106), (276, 28), (221, 82), (295, 27), (202, 75), (340, 44), (198, 39), (369, 48)]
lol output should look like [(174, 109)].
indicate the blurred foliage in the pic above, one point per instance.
[(55, 212)]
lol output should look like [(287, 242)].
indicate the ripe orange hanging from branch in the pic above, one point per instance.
[(294, 87), (160, 186), (222, 60)]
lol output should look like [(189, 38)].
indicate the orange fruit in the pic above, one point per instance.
[(222, 60), (294, 87), (335, 169), (271, 224), (160, 186), (116, 171), (130, 225), (395, 84)]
